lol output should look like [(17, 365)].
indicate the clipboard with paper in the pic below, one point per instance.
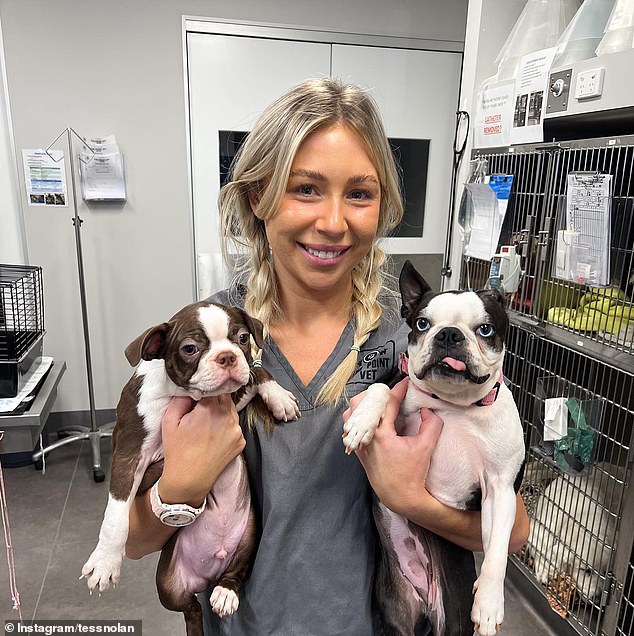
[(483, 209), (583, 243)]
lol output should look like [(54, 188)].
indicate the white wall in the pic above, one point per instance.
[(489, 23), (116, 67), (12, 240)]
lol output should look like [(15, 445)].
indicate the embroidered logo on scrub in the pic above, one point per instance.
[(375, 365)]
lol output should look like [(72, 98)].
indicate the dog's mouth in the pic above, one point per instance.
[(452, 368), (228, 386)]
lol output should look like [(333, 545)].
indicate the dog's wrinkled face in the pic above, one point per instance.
[(206, 348), (456, 346)]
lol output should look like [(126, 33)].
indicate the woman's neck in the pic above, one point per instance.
[(301, 308), (308, 329)]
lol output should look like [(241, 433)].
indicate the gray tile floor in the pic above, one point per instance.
[(55, 521)]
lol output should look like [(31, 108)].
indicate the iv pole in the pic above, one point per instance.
[(76, 433)]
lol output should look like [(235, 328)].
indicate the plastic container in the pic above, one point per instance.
[(539, 27), (584, 32), (619, 32)]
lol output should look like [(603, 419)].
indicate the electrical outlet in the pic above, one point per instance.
[(589, 83)]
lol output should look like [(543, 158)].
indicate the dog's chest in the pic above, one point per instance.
[(476, 445)]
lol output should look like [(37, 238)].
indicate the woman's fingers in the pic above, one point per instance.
[(176, 409)]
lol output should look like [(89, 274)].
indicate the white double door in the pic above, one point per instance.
[(231, 80)]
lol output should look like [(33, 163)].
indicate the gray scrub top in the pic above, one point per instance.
[(313, 569)]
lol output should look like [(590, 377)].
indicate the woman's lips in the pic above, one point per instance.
[(323, 255)]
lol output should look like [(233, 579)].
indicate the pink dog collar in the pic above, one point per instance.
[(487, 400)]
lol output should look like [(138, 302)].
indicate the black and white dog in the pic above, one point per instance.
[(455, 355), (203, 351)]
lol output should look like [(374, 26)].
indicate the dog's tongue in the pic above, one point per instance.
[(457, 365)]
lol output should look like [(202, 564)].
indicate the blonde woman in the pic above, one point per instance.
[(312, 191)]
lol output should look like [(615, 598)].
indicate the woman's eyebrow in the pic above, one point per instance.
[(363, 178), (308, 174)]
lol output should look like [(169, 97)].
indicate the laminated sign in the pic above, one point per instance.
[(494, 115)]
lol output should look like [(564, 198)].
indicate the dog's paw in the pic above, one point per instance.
[(487, 612), (282, 403), (223, 602), (102, 569), (359, 430)]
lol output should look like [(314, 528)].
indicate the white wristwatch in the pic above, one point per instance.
[(175, 515)]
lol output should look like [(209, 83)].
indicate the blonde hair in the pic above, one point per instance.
[(261, 171)]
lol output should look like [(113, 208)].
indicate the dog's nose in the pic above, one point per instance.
[(226, 359), (449, 336)]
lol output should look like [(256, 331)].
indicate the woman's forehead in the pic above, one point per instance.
[(334, 145)]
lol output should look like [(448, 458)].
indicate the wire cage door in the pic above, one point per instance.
[(570, 347), (522, 222)]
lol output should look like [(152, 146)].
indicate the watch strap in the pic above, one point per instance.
[(173, 514)]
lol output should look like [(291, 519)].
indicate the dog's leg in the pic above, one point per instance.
[(498, 516), (282, 403), (360, 428), (224, 597), (173, 593), (104, 564)]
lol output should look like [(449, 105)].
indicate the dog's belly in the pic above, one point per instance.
[(204, 549), (489, 445)]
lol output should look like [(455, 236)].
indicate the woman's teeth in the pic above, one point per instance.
[(322, 254)]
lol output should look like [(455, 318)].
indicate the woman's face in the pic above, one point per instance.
[(328, 217)]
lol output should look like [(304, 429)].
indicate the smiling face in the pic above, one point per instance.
[(327, 219)]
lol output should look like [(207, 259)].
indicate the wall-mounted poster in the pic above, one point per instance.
[(44, 177), (531, 85)]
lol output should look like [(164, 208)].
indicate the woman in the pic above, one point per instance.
[(312, 191)]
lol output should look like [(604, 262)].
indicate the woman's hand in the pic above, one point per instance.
[(397, 469), (199, 441), (397, 466)]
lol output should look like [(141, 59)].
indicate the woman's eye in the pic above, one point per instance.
[(486, 330), (422, 324), (189, 349), (306, 189), (362, 195), (243, 338)]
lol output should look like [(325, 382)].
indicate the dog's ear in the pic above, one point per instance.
[(493, 302), (149, 345), (255, 327), (494, 294), (413, 287)]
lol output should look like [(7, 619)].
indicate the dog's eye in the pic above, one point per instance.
[(189, 348), (422, 324), (243, 338), (486, 330)]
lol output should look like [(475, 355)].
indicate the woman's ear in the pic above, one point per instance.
[(254, 201)]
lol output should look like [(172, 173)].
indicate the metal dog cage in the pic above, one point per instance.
[(572, 341), (21, 324)]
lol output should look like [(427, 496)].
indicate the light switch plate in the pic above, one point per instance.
[(589, 83)]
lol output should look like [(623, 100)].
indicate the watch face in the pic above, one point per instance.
[(178, 518)]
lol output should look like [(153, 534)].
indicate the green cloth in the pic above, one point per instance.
[(576, 447)]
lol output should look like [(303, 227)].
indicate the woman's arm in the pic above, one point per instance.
[(199, 441), (397, 468)]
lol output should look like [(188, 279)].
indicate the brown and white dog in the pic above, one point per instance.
[(203, 351), (455, 355)]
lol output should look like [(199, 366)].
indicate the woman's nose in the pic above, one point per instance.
[(332, 217)]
